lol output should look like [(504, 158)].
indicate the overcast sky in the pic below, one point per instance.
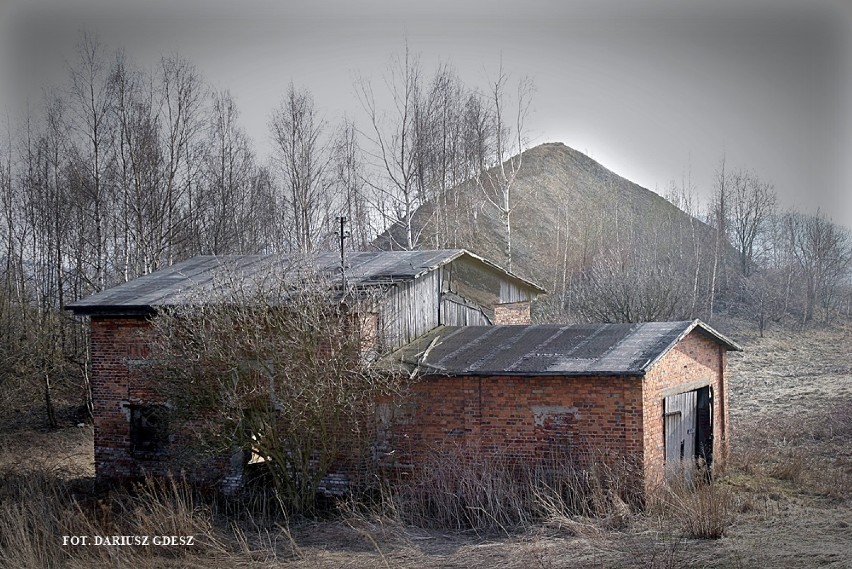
[(649, 89)]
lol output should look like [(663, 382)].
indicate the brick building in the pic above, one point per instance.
[(488, 378), (418, 291), (655, 392)]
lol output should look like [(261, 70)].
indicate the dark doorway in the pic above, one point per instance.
[(704, 426)]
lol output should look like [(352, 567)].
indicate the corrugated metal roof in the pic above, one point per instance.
[(586, 349), (176, 284)]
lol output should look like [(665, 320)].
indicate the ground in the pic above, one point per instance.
[(787, 491)]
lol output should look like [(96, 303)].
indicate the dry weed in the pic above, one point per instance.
[(39, 510), (459, 489), (700, 509)]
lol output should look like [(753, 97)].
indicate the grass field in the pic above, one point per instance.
[(784, 501)]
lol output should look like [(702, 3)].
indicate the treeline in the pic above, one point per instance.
[(122, 170), (738, 255)]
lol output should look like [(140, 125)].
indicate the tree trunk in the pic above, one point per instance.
[(48, 403)]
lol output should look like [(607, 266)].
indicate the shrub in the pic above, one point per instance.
[(695, 506)]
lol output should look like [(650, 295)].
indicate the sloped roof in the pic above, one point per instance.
[(576, 350), (176, 284)]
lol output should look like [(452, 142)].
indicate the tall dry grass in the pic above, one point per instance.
[(38, 509), (807, 451), (694, 505), (462, 489)]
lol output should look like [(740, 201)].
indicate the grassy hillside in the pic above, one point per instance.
[(567, 210)]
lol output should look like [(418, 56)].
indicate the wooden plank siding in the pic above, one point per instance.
[(511, 292), (455, 313), (463, 292), (410, 310)]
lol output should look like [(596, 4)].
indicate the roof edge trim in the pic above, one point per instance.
[(701, 326), (499, 269)]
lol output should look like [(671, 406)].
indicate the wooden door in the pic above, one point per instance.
[(680, 428)]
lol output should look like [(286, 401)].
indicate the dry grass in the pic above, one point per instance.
[(698, 510), (808, 451), (459, 489), (39, 509)]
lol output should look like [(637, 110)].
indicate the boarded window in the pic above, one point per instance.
[(149, 429)]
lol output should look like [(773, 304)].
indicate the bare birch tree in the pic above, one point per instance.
[(718, 219), (91, 94), (349, 184), (497, 182), (303, 155), (229, 168), (394, 148)]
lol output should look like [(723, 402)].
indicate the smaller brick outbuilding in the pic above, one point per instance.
[(656, 392)]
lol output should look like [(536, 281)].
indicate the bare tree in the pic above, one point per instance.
[(751, 204), (349, 185), (303, 156), (718, 219), (684, 197), (623, 285), (143, 196), (91, 94), (394, 147), (823, 252), (181, 107), (229, 171), (497, 182), (762, 298)]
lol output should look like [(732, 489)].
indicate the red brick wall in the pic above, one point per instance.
[(521, 417), (512, 313), (116, 345), (119, 347), (695, 359)]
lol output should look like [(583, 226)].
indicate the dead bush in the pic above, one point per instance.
[(789, 465), (694, 506)]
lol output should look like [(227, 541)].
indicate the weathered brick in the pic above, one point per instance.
[(512, 313)]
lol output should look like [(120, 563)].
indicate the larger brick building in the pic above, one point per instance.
[(489, 379)]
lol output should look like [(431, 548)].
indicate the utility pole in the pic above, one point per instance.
[(342, 235)]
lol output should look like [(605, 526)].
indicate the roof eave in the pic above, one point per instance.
[(99, 310), (718, 336), (502, 373)]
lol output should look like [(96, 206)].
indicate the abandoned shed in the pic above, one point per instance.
[(419, 291), (488, 379), (652, 391)]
